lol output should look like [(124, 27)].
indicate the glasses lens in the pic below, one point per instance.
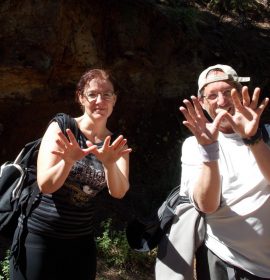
[(94, 95)]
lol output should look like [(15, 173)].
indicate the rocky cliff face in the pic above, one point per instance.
[(156, 53)]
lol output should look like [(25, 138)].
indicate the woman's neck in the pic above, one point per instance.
[(95, 131)]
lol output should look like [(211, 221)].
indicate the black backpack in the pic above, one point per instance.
[(18, 184), (144, 233)]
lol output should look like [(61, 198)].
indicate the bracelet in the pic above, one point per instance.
[(253, 139), (209, 152)]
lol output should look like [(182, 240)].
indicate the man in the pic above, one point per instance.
[(226, 173)]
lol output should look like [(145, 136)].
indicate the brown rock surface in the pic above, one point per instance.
[(156, 53)]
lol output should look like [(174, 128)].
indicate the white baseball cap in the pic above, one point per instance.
[(229, 74)]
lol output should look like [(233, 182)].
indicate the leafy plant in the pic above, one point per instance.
[(243, 12), (4, 267), (114, 248), (241, 7)]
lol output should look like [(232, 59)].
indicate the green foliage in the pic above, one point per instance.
[(243, 11), (238, 6), (114, 248), (4, 267)]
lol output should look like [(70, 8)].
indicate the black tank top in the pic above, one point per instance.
[(68, 212)]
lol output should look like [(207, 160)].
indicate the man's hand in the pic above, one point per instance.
[(246, 118), (205, 132)]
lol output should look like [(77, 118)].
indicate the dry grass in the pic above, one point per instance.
[(110, 273)]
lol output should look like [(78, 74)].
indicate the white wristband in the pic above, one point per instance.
[(209, 152)]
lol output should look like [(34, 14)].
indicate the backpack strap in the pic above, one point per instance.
[(32, 198)]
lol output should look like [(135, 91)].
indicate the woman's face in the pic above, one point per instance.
[(98, 98)]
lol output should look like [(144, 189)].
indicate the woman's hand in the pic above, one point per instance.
[(69, 149), (109, 154), (115, 159)]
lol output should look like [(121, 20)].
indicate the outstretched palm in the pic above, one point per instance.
[(110, 153), (198, 124), (69, 149), (245, 120)]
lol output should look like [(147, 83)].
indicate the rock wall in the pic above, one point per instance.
[(156, 54)]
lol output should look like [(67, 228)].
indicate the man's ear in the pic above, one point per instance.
[(201, 100)]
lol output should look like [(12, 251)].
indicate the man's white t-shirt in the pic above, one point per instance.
[(239, 231)]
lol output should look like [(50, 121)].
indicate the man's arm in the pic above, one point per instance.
[(261, 152)]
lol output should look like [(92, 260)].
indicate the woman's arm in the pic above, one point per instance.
[(115, 159), (117, 175), (57, 154)]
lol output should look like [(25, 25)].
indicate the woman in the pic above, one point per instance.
[(72, 168)]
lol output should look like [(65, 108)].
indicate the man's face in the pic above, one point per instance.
[(216, 97)]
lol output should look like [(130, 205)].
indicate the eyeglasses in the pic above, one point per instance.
[(93, 95), (214, 96)]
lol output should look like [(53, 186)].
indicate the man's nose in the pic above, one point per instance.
[(222, 99)]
